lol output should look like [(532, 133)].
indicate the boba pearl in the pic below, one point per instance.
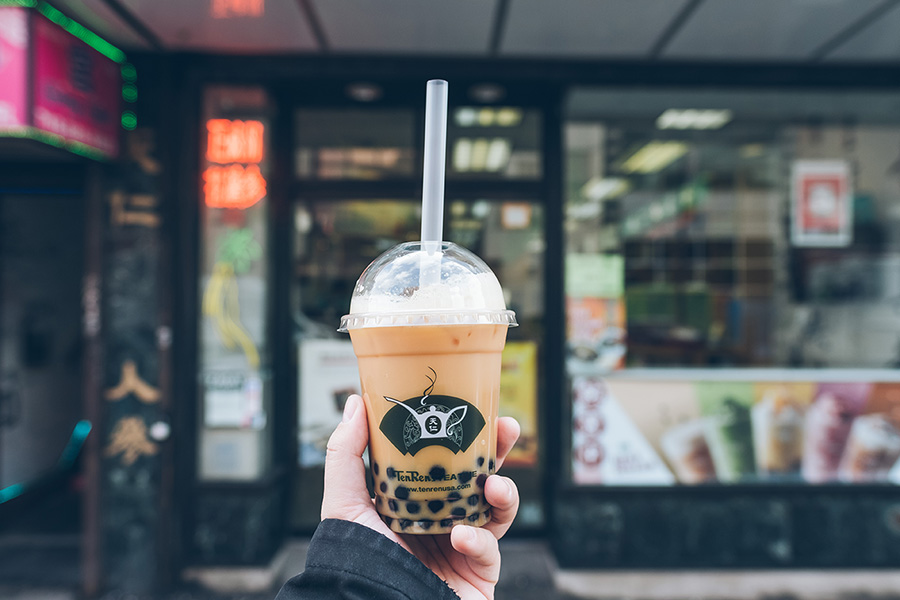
[(474, 517), (491, 465), (383, 487), (378, 501), (390, 472), (473, 500), (437, 473), (435, 506), (453, 497), (392, 504), (446, 522), (402, 492), (387, 520), (375, 467), (480, 461), (426, 524), (481, 479), (413, 507), (464, 476), (405, 523), (458, 512)]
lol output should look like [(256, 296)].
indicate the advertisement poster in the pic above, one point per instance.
[(596, 334), (761, 432), (233, 399), (328, 376), (518, 399), (821, 203), (13, 66), (76, 89)]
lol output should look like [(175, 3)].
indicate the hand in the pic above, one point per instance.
[(468, 559)]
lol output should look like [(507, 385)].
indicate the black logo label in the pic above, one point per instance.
[(431, 420)]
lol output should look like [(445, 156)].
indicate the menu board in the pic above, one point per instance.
[(727, 432)]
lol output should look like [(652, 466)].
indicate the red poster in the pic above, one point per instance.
[(76, 89), (13, 65), (822, 203)]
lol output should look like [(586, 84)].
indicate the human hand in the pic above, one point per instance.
[(468, 558)]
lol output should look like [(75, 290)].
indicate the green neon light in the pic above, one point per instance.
[(51, 139), (129, 73), (129, 120), (18, 3), (129, 92), (82, 33)]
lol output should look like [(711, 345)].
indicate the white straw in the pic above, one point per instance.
[(435, 155)]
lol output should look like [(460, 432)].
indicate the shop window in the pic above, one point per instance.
[(234, 356), (726, 231), (493, 142)]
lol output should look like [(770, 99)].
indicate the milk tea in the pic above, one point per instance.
[(431, 394)]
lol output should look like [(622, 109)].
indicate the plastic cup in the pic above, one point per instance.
[(428, 324)]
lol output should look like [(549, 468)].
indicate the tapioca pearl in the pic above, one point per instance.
[(464, 476), (392, 504), (387, 520), (402, 492), (453, 497), (437, 473), (446, 522), (458, 512), (378, 501), (426, 524), (474, 517), (480, 461), (405, 523), (435, 506), (383, 487), (375, 468), (473, 500), (390, 472), (481, 479), (413, 507), (491, 465)]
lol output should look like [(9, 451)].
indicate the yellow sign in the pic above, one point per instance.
[(518, 399), (129, 438)]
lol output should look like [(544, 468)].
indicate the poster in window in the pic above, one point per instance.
[(736, 432), (328, 376), (518, 399), (821, 203)]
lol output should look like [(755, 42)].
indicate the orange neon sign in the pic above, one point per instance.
[(236, 180), (234, 141), (224, 9)]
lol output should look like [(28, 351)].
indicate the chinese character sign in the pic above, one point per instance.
[(236, 149), (821, 203)]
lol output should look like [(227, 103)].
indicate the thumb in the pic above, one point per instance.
[(345, 472)]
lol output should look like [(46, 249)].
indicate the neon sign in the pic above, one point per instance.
[(235, 181), (224, 9)]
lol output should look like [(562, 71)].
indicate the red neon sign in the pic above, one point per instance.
[(230, 184)]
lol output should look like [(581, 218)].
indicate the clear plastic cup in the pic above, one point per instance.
[(428, 324)]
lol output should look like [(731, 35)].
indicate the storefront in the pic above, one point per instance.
[(706, 280)]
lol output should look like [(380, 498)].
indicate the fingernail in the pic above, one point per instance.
[(350, 408), (509, 489)]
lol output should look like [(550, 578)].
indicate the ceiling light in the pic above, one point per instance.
[(498, 154), (601, 188), (485, 117), (486, 92), (462, 155), (655, 156), (364, 92), (466, 117), (693, 119), (509, 117), (479, 154)]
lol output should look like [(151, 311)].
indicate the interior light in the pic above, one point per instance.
[(479, 154), (466, 117), (690, 118), (486, 117), (486, 92), (498, 154), (601, 188), (655, 156), (462, 155), (364, 92), (509, 117)]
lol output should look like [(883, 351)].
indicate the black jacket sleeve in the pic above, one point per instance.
[(347, 561)]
